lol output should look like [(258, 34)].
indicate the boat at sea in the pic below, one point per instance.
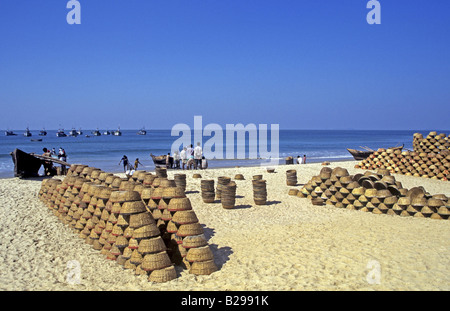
[(96, 133), (80, 132), (361, 155), (142, 131), (106, 132), (73, 133), (10, 133), (60, 133), (118, 132), (27, 133), (43, 132)]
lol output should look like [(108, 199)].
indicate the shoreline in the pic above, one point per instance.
[(287, 245)]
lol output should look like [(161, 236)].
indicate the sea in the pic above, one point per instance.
[(105, 151)]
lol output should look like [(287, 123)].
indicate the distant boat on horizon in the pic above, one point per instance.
[(142, 131), (73, 133), (60, 133), (96, 133), (27, 133), (118, 132), (10, 133), (43, 132), (80, 132), (106, 132)]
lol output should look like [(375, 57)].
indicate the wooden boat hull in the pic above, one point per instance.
[(361, 155), (160, 160), (27, 165)]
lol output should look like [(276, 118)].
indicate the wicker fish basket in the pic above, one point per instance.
[(203, 267), (202, 253), (156, 261), (163, 275)]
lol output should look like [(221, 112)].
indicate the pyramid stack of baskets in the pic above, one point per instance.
[(140, 222), (419, 164), (432, 143), (373, 192)]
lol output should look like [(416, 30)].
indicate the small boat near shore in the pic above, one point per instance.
[(361, 155), (159, 160), (28, 164)]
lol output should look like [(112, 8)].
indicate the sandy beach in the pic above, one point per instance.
[(287, 245)]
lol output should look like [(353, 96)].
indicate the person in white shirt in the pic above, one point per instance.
[(299, 160), (183, 157), (198, 156)]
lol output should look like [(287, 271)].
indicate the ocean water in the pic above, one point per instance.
[(105, 151)]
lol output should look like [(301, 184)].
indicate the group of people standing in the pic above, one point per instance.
[(49, 169), (127, 166), (301, 160), (189, 158)]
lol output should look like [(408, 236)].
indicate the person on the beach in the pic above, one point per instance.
[(176, 159), (168, 160), (299, 160), (124, 160), (136, 163), (190, 154), (304, 159), (190, 164), (198, 156), (62, 154), (204, 163), (47, 164), (183, 157)]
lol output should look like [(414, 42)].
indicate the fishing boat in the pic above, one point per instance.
[(106, 132), (28, 164), (361, 155), (43, 132), (159, 160), (10, 133), (27, 133), (39, 139), (142, 131), (73, 133), (60, 133), (80, 132), (96, 133), (118, 132)]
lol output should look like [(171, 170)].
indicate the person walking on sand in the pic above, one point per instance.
[(183, 157), (124, 160), (304, 159), (176, 159), (136, 163), (198, 156)]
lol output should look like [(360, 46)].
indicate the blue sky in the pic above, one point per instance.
[(300, 64)]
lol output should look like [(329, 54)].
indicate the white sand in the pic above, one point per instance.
[(286, 245)]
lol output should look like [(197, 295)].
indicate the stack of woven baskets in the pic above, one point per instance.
[(373, 192), (207, 189), (428, 165), (228, 195), (221, 182), (116, 216), (259, 191), (291, 177), (432, 143)]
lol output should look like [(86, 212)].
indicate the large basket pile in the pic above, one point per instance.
[(427, 165), (432, 143), (373, 192), (140, 222)]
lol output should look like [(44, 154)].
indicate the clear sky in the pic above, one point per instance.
[(304, 64)]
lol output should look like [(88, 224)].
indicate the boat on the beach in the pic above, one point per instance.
[(10, 133), (73, 133), (142, 131), (361, 155), (43, 132), (96, 133), (118, 132), (28, 164), (27, 132), (159, 160), (60, 133)]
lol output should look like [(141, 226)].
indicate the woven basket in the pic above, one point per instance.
[(194, 241), (179, 204), (147, 231), (185, 217), (163, 275), (151, 245), (203, 267), (190, 229), (141, 219), (156, 261), (133, 207), (202, 253)]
